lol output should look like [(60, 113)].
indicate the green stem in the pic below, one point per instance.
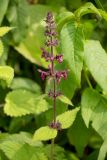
[(52, 149), (54, 102)]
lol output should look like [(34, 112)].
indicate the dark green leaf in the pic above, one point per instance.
[(79, 134)]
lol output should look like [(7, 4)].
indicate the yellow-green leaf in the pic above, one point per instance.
[(1, 48), (44, 134), (67, 118), (64, 99), (6, 74), (4, 30), (21, 102)]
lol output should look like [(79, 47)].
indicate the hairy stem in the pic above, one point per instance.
[(54, 88), (52, 149), (54, 102)]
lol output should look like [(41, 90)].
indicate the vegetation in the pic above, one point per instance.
[(77, 130)]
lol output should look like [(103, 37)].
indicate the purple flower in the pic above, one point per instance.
[(43, 74), (50, 94), (45, 54), (50, 33), (55, 125), (51, 42), (52, 73), (49, 18), (59, 58), (60, 75), (65, 74)]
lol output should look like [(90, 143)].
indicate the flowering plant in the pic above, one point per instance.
[(48, 55)]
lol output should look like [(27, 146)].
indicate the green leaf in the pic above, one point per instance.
[(15, 151), (93, 155), (103, 151), (64, 99), (22, 137), (86, 9), (67, 118), (94, 110), (25, 83), (6, 74), (103, 14), (72, 47), (18, 16), (1, 48), (3, 8), (4, 30), (63, 18), (44, 134), (95, 58), (21, 102), (34, 39), (3, 156), (60, 153), (79, 128)]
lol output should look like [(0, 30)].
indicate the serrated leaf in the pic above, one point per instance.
[(95, 58), (67, 118), (72, 47), (22, 137), (44, 134), (21, 102), (86, 9), (15, 151), (94, 110), (1, 48), (4, 30), (6, 74), (64, 99)]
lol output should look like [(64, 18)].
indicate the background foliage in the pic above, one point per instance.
[(25, 110)]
